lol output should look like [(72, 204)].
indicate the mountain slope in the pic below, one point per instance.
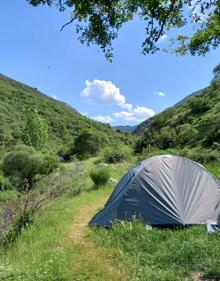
[(65, 123), (195, 122)]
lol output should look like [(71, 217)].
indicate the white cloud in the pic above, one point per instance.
[(84, 113), (138, 114), (54, 97), (103, 119), (160, 94), (163, 38), (105, 92), (102, 91), (127, 106)]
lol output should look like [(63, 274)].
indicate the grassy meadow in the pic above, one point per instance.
[(46, 251)]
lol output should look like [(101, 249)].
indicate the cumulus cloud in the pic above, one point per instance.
[(105, 92), (160, 94), (163, 38), (127, 106), (103, 119), (102, 91), (137, 114)]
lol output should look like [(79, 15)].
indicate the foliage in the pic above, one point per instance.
[(23, 164), (36, 130), (100, 176), (99, 22), (4, 183), (50, 164), (89, 143), (203, 156), (195, 122), (117, 154), (198, 104)]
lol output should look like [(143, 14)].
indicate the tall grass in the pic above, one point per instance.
[(162, 254), (44, 252)]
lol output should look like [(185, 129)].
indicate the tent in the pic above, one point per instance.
[(164, 190)]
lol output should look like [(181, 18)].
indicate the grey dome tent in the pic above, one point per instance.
[(164, 190)]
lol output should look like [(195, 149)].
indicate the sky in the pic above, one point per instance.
[(127, 91)]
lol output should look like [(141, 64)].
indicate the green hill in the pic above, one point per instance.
[(193, 123), (65, 123)]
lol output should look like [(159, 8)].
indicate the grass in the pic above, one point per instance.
[(42, 253), (159, 254), (45, 251), (163, 254)]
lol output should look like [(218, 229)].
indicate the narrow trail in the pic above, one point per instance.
[(99, 263), (80, 224)]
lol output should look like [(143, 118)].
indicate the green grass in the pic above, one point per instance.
[(163, 254), (41, 253), (44, 251), (160, 254)]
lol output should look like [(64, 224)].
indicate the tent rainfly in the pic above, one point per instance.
[(164, 190)]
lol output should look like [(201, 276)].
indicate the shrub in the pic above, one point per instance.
[(117, 154), (89, 143), (100, 176), (186, 134), (204, 156), (4, 183), (167, 138), (50, 164), (22, 165)]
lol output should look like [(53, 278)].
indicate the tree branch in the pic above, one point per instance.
[(69, 22)]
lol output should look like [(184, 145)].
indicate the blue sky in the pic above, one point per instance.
[(127, 91)]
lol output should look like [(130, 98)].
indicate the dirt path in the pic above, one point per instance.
[(93, 263), (80, 224)]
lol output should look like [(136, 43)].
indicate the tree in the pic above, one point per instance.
[(98, 22), (89, 142), (216, 73), (36, 130)]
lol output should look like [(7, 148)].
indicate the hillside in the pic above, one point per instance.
[(65, 123), (194, 122)]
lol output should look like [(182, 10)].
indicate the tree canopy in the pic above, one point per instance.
[(98, 22)]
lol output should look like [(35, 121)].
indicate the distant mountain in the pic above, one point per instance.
[(65, 123), (126, 129)]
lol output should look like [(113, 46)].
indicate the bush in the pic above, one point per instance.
[(117, 154), (4, 183), (50, 164), (23, 164), (89, 143), (100, 176), (167, 138)]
